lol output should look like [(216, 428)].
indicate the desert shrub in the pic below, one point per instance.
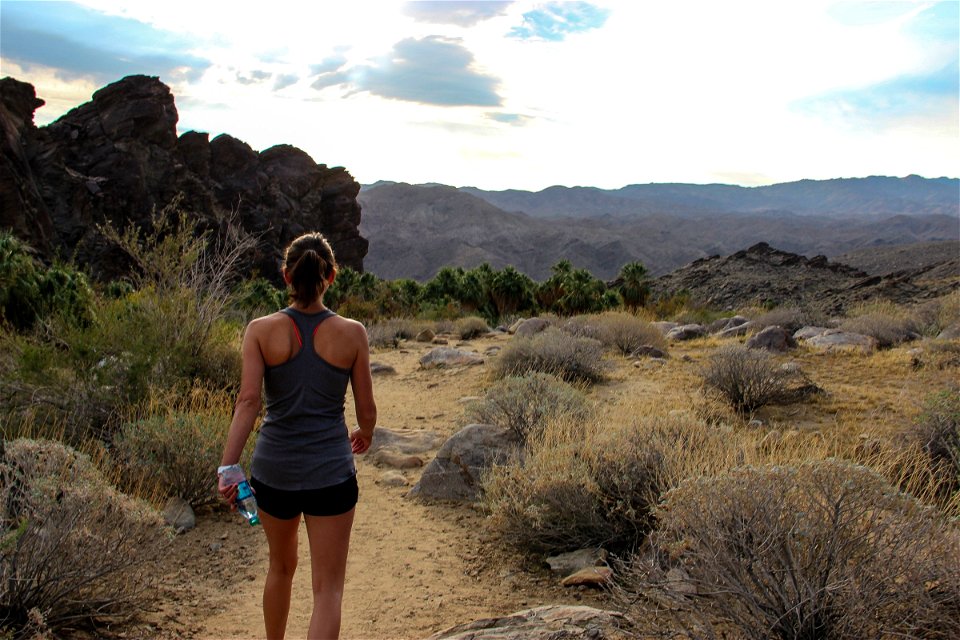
[(172, 452), (584, 326), (470, 327), (626, 332), (826, 549), (166, 333), (73, 551), (746, 379), (19, 283), (65, 292), (389, 333), (595, 484), (555, 352), (934, 316), (525, 403), (936, 431), (258, 297), (787, 318), (887, 323)]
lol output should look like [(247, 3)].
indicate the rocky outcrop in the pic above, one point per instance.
[(118, 158), (763, 275)]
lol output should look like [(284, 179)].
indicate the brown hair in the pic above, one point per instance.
[(309, 261)]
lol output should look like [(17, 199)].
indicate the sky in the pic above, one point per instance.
[(526, 95)]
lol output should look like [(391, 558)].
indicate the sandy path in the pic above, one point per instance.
[(413, 568)]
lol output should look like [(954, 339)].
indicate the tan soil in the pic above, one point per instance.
[(413, 569)]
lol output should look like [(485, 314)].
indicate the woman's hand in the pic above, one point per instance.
[(360, 440), (228, 492)]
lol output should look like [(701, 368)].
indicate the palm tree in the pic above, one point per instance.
[(634, 285), (511, 291), (582, 293)]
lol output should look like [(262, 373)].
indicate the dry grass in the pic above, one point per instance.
[(824, 549), (73, 551), (553, 352)]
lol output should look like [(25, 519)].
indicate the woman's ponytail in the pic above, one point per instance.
[(309, 263)]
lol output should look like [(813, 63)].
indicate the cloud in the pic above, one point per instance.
[(556, 20), (254, 77), (330, 79), (328, 64), (79, 42), (432, 70), (463, 13), (285, 80), (516, 119), (905, 98)]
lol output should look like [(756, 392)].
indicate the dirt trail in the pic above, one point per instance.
[(413, 568)]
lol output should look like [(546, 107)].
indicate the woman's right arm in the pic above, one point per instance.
[(248, 401), (361, 381)]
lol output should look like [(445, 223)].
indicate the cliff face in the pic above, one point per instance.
[(118, 158)]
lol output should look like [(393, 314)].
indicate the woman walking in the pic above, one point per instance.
[(303, 357)]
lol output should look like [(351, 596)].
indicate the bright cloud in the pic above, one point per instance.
[(528, 94), (463, 12), (556, 20)]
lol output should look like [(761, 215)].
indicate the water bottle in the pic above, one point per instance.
[(246, 501)]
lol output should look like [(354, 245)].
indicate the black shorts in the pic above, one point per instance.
[(329, 501)]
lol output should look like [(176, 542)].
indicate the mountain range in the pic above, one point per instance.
[(414, 230)]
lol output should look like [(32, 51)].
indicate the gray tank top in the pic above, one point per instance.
[(303, 441)]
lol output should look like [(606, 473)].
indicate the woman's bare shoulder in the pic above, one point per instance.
[(349, 326), (265, 323)]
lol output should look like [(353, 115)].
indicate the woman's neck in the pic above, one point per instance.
[(314, 307)]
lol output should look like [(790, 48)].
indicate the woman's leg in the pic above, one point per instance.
[(329, 542), (282, 538)]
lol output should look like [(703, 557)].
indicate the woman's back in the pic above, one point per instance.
[(303, 441)]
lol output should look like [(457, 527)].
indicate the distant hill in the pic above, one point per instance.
[(875, 196), (414, 230), (765, 275)]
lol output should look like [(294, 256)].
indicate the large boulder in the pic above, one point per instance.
[(448, 357), (773, 338), (550, 622), (687, 332), (457, 470), (118, 159), (837, 340)]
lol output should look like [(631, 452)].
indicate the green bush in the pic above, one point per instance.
[(173, 453), (258, 297), (74, 552), (554, 352), (19, 283), (825, 549), (523, 404)]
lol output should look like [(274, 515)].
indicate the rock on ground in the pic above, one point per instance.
[(573, 561), (550, 622), (687, 332), (772, 339), (179, 514), (837, 340), (407, 443), (455, 472), (447, 357)]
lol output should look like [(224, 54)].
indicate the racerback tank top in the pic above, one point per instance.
[(303, 441)]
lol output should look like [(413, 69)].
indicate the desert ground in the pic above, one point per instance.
[(419, 567)]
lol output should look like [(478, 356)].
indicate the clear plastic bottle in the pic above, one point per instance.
[(246, 501)]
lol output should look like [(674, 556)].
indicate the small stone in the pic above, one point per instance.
[(755, 424), (440, 341), (378, 368), (573, 561), (468, 399), (388, 458), (591, 576), (425, 336), (393, 479), (179, 514), (215, 546)]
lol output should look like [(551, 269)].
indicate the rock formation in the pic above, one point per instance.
[(118, 158)]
